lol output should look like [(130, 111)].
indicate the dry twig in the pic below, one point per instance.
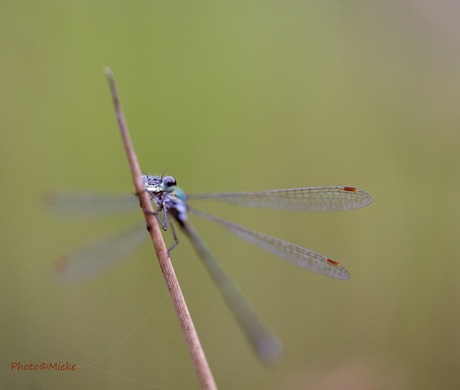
[(193, 343)]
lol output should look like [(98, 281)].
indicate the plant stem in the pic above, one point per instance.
[(193, 343)]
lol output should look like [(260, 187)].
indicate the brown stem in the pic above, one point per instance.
[(193, 343)]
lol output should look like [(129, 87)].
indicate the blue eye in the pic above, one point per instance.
[(169, 183)]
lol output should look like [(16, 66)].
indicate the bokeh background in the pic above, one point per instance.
[(236, 96)]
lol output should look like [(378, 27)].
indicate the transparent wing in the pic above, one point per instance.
[(97, 257), (301, 199), (294, 254), (265, 344), (90, 204)]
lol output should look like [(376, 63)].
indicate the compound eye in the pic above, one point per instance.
[(169, 183)]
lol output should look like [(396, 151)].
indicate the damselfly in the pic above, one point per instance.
[(171, 203)]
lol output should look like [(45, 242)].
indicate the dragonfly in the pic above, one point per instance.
[(171, 204)]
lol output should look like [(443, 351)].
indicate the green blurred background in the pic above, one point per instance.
[(236, 96)]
